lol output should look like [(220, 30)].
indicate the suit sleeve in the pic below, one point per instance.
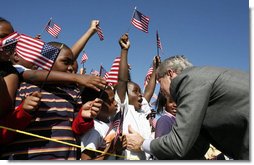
[(192, 101)]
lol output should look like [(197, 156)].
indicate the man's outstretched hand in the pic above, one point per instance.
[(134, 140)]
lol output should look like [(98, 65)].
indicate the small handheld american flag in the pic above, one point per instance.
[(9, 42), (148, 76), (158, 41), (53, 29), (84, 58), (100, 33), (36, 51), (112, 78), (140, 21), (103, 72)]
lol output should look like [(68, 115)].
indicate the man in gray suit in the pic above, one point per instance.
[(212, 108)]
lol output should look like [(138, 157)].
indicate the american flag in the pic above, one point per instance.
[(118, 123), (140, 21), (103, 72), (158, 40), (94, 72), (9, 42), (148, 76), (100, 33), (36, 51), (113, 73), (53, 29), (84, 58)]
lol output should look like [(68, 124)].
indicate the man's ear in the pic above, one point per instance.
[(170, 72)]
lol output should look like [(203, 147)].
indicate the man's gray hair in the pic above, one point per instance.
[(177, 63)]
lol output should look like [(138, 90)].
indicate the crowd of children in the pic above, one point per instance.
[(78, 109)]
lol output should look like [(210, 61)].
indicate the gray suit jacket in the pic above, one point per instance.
[(213, 107)]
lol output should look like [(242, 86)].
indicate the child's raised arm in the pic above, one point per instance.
[(123, 68), (81, 43), (150, 87)]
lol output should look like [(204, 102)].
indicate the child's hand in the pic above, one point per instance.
[(91, 81), (91, 108), (94, 24), (156, 61), (32, 101), (124, 41)]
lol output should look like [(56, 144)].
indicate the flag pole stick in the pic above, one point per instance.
[(103, 91), (158, 51), (83, 62), (50, 70), (100, 69), (135, 8), (157, 38), (156, 59), (45, 27)]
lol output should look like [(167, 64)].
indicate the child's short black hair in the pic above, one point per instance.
[(4, 20), (89, 94), (58, 44)]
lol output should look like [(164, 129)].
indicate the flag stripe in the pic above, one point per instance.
[(35, 61), (138, 25), (29, 55), (148, 76), (112, 77)]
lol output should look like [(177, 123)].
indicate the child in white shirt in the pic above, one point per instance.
[(129, 98)]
